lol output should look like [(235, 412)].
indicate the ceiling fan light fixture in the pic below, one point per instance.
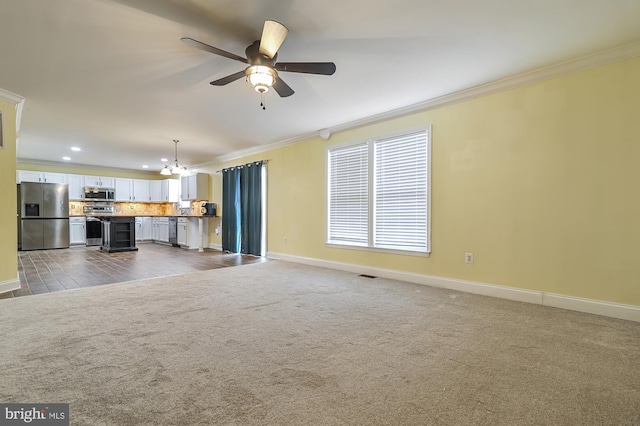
[(260, 77)]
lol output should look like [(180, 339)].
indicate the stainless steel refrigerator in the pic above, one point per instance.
[(44, 216)]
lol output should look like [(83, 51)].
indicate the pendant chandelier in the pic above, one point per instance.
[(176, 169)]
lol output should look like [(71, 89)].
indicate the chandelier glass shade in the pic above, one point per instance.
[(176, 168)]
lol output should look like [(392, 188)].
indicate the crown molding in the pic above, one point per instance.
[(7, 96), (81, 166), (572, 66), (18, 101), (264, 148)]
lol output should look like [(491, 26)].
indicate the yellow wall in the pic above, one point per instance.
[(539, 182), (8, 219)]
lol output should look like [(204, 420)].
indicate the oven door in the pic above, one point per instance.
[(94, 231)]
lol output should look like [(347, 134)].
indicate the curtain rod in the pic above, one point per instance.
[(242, 165)]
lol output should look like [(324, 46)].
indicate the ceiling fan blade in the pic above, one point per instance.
[(273, 34), (202, 46), (323, 68), (282, 88), (228, 79)]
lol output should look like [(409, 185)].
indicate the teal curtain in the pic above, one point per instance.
[(231, 236), (251, 208), (242, 209)]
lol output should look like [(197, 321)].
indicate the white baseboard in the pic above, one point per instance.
[(7, 286), (597, 307)]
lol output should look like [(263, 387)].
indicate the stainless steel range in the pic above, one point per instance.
[(93, 212)]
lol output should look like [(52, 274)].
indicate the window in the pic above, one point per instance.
[(378, 193)]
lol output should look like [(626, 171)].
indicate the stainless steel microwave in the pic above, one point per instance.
[(92, 193)]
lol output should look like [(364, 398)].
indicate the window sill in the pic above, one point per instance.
[(380, 250)]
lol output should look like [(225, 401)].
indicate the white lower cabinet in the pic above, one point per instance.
[(138, 229), (182, 231), (161, 229), (147, 229), (189, 232), (77, 231), (144, 228)]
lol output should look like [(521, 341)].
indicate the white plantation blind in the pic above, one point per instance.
[(378, 193), (349, 195), (400, 212)]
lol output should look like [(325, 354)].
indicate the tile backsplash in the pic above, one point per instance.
[(143, 209)]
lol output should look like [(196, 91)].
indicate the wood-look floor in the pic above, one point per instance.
[(47, 271)]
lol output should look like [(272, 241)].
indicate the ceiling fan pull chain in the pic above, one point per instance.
[(262, 103)]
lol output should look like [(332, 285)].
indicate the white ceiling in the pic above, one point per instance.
[(113, 77)]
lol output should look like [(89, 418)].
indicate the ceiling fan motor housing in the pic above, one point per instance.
[(254, 57), (260, 73)]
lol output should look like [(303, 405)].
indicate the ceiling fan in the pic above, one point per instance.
[(262, 72)]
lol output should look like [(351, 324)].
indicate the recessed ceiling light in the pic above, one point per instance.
[(66, 158), (75, 148), (144, 166), (164, 160)]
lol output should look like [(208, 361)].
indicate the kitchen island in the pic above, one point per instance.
[(118, 234)]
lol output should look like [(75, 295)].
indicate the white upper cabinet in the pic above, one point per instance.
[(41, 177), (171, 190), (55, 177), (140, 190), (195, 187), (155, 190), (126, 190), (137, 190), (76, 184), (100, 181), (28, 176), (123, 189)]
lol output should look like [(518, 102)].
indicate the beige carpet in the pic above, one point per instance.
[(285, 344)]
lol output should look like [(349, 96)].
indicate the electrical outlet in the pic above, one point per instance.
[(284, 240), (468, 258)]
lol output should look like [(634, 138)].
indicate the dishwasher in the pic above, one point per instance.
[(173, 231)]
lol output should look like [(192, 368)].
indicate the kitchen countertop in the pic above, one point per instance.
[(176, 215)]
